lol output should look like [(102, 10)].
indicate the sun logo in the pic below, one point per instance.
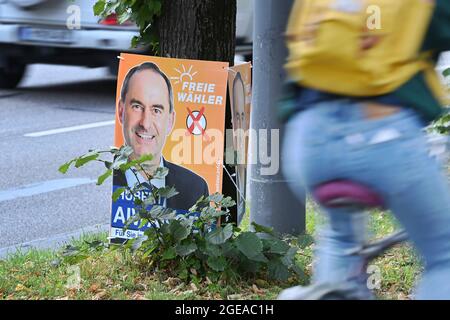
[(184, 74)]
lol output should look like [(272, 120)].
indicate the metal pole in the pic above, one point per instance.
[(271, 201)]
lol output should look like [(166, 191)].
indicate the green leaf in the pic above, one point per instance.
[(446, 72), (178, 231), (137, 243), (182, 273), (70, 250), (99, 7), (119, 162), (75, 259), (150, 200), (104, 176), (96, 244), (277, 246), (249, 244), (260, 257), (211, 249), (185, 249), (170, 214), (122, 157), (289, 258), (156, 211), (143, 223), (164, 229), (262, 229), (218, 213), (212, 212), (157, 8), (160, 173), (169, 254), (132, 220), (216, 197), (135, 41), (149, 250), (187, 221), (229, 249), (220, 235), (167, 192), (118, 193), (227, 202), (85, 159), (305, 240), (114, 150), (277, 270), (160, 213), (73, 255), (135, 163), (126, 150), (63, 169), (111, 6), (193, 262), (217, 263), (124, 17), (249, 266), (200, 203)]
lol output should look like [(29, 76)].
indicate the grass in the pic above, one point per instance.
[(37, 274), (400, 266), (111, 275)]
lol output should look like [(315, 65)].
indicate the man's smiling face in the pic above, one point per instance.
[(145, 114)]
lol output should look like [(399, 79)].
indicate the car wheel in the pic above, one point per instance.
[(11, 74), (113, 68)]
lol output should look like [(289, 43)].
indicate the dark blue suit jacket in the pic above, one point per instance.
[(189, 185)]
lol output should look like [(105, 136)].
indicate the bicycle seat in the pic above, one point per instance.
[(343, 193)]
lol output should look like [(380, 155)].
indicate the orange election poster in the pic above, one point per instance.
[(173, 109)]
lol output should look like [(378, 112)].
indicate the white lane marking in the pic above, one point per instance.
[(42, 187), (69, 129)]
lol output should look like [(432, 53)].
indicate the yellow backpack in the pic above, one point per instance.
[(358, 47)]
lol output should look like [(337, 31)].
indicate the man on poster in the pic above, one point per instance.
[(147, 115), (239, 82)]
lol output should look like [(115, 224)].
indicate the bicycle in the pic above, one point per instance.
[(340, 193)]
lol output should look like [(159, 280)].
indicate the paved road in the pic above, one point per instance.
[(36, 201)]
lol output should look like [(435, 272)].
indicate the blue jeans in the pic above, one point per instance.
[(333, 140)]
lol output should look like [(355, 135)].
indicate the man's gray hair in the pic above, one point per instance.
[(146, 66)]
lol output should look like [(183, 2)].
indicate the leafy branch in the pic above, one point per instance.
[(199, 244), (442, 125), (143, 13)]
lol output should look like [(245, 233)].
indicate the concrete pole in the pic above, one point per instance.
[(272, 203)]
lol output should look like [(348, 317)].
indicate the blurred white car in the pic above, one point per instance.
[(67, 32)]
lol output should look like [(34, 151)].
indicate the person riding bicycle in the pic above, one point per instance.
[(376, 140)]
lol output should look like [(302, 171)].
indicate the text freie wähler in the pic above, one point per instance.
[(199, 92)]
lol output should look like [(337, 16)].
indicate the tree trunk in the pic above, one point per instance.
[(198, 29), (201, 30)]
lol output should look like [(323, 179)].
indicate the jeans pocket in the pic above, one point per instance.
[(398, 164)]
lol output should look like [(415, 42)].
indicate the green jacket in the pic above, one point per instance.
[(415, 93)]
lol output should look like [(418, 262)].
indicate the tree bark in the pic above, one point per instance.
[(198, 29), (201, 30)]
